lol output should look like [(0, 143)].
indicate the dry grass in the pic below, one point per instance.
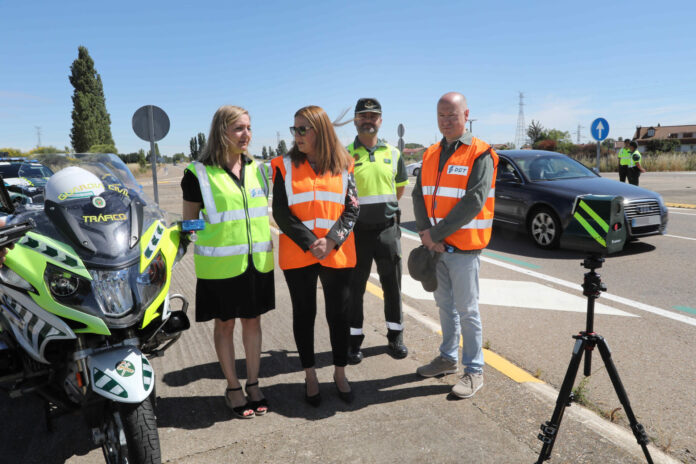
[(673, 161)]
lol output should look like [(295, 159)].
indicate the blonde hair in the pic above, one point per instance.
[(331, 156), (215, 151)]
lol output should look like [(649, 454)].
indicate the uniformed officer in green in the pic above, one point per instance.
[(634, 166), (624, 159), (380, 175)]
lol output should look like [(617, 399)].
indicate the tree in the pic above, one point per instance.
[(264, 153), (535, 131), (12, 152), (557, 135), (413, 145), (102, 148), (91, 121), (196, 145), (282, 148)]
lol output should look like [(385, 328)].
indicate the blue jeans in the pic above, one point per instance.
[(457, 297)]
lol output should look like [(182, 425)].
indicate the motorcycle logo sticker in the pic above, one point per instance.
[(125, 368), (98, 202)]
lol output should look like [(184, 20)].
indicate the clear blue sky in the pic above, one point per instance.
[(633, 63)]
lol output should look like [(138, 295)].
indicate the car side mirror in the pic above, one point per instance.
[(507, 177)]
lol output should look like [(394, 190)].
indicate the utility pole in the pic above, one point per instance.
[(470, 124), (277, 138), (38, 136), (520, 136), (578, 133)]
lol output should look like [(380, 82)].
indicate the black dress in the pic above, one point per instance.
[(245, 296)]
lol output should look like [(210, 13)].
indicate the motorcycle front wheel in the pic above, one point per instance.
[(131, 434)]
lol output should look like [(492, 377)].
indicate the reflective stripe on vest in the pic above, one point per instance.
[(233, 250), (237, 223), (310, 195), (442, 190), (631, 161), (451, 192)]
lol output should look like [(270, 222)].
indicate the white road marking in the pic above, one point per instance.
[(683, 214), (679, 236), (608, 296), (517, 294)]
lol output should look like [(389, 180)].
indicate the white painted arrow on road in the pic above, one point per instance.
[(517, 294)]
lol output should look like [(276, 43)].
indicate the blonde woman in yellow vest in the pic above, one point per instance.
[(234, 253), (315, 204)]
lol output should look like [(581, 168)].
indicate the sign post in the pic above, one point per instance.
[(151, 123), (400, 131), (600, 130)]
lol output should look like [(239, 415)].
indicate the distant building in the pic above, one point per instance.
[(413, 151), (685, 135)]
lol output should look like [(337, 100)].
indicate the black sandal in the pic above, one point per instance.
[(244, 411), (260, 407)]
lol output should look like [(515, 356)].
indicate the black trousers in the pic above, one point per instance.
[(302, 283), (633, 176), (384, 247), (623, 171)]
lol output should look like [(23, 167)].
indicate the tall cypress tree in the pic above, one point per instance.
[(91, 121)]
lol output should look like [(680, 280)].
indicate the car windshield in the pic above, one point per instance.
[(34, 170), (9, 170), (543, 168)]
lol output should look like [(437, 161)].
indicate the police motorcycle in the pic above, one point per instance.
[(85, 304)]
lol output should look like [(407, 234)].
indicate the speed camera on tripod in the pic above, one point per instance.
[(597, 225)]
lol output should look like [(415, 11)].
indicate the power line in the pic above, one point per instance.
[(520, 132)]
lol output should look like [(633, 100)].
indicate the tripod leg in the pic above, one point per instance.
[(549, 430), (638, 429)]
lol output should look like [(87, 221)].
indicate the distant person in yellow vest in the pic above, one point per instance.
[(233, 255), (453, 202), (634, 167), (315, 205), (380, 175), (624, 160)]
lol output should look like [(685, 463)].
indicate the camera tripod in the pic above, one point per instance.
[(584, 344)]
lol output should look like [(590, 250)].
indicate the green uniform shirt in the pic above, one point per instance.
[(378, 171)]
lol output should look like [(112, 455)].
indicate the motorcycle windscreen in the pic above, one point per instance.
[(102, 229)]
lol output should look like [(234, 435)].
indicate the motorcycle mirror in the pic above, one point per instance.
[(6, 205)]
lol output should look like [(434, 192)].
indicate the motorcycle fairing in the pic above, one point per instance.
[(32, 326), (155, 239), (122, 374)]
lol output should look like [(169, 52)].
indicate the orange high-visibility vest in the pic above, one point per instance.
[(443, 190), (318, 201)]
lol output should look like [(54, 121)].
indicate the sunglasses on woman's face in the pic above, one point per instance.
[(300, 130)]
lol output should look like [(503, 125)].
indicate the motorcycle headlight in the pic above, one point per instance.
[(149, 284), (112, 289)]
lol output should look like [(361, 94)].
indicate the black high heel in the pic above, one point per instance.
[(260, 407), (244, 411), (314, 400), (346, 397)]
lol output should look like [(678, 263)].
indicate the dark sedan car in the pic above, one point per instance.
[(535, 191)]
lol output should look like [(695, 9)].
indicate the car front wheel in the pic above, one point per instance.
[(545, 228), (416, 172)]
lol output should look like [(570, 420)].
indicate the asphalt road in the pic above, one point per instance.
[(530, 305), (652, 279)]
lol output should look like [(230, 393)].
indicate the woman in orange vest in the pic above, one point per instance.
[(315, 205)]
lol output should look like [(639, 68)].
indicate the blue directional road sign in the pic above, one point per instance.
[(599, 129)]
